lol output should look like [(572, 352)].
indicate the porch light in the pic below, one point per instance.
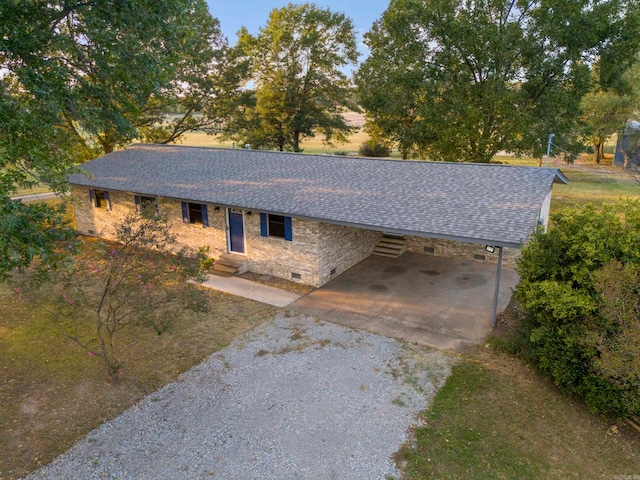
[(490, 248)]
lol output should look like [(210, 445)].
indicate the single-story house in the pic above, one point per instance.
[(308, 218)]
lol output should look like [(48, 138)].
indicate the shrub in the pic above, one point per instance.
[(579, 290), (372, 148)]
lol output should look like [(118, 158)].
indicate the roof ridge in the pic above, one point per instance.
[(337, 157)]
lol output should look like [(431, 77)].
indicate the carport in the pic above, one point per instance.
[(441, 302)]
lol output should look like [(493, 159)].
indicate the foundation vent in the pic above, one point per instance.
[(429, 250), (477, 256), (297, 276), (333, 271)]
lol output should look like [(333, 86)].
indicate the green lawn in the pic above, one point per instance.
[(497, 419), (589, 187)]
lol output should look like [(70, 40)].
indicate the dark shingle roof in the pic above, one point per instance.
[(479, 203)]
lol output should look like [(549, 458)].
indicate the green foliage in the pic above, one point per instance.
[(460, 81), (372, 148), (81, 78), (296, 63), (606, 111), (133, 282), (579, 291)]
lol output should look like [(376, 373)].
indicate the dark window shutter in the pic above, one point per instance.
[(107, 200), (288, 233), (185, 212), (92, 197), (205, 216), (137, 200), (264, 231)]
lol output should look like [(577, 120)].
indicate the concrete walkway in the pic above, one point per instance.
[(251, 290)]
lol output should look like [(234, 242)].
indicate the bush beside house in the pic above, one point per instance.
[(580, 290)]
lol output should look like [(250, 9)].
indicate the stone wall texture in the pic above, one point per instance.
[(317, 253), (451, 248)]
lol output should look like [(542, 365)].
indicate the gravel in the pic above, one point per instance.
[(295, 398)]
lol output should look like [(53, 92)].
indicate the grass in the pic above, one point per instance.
[(53, 393), (592, 187), (495, 418)]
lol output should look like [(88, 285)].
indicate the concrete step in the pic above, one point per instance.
[(398, 240), (390, 255), (381, 249), (219, 267), (233, 264), (385, 244), (390, 246)]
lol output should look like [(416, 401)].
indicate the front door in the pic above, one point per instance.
[(236, 230)]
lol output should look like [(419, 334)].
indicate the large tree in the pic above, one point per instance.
[(79, 78), (296, 65), (462, 80)]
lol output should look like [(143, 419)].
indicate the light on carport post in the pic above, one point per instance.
[(495, 296)]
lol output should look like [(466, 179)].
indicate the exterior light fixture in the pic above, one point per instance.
[(490, 248)]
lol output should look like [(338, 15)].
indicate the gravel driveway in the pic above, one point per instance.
[(294, 398)]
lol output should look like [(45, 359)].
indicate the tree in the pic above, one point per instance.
[(579, 291), (108, 287), (609, 109), (462, 80), (296, 64), (79, 78)]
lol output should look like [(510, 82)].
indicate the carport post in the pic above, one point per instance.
[(495, 296)]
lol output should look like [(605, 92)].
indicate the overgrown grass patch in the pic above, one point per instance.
[(591, 187), (495, 418), (53, 393)]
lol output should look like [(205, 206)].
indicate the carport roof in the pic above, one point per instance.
[(477, 203)]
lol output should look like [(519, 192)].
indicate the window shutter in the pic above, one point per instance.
[(288, 233), (137, 200), (185, 212), (264, 231), (107, 199), (92, 197), (205, 217)]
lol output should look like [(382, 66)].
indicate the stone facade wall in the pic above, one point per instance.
[(100, 221), (343, 247), (451, 248), (295, 260), (316, 248)]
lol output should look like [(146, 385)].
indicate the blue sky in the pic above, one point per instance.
[(253, 14)]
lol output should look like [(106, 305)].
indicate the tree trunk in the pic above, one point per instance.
[(597, 149), (625, 165), (296, 141)]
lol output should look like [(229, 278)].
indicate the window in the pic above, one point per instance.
[(195, 213), (277, 226), (100, 199), (144, 203)]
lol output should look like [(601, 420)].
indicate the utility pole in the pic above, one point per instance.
[(549, 147)]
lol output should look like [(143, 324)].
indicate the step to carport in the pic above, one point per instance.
[(390, 246)]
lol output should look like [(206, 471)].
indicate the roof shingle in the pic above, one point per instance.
[(479, 203)]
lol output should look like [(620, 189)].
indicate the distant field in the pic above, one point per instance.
[(310, 145)]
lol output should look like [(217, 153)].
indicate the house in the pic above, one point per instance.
[(308, 218)]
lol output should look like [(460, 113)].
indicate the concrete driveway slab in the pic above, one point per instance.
[(444, 303)]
